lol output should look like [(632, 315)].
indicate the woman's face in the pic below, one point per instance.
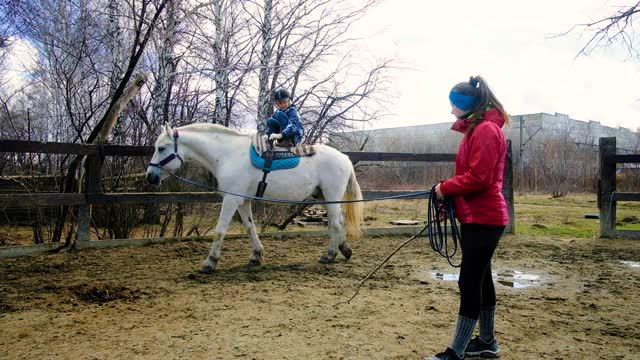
[(458, 113), (283, 104)]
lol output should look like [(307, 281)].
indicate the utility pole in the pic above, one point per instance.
[(523, 143), (521, 149)]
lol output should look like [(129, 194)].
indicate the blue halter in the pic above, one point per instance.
[(170, 158)]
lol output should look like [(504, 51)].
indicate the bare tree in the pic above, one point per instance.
[(72, 68), (298, 39), (223, 49), (211, 61), (614, 28), (264, 91)]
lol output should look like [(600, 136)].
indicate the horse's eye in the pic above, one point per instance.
[(161, 149)]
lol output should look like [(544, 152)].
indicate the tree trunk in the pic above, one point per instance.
[(114, 38), (221, 71), (264, 93), (166, 67)]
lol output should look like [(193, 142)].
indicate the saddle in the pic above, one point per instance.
[(282, 157), (270, 158)]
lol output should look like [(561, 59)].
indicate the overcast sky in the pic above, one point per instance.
[(510, 43)]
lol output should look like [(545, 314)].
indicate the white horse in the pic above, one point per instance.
[(328, 175)]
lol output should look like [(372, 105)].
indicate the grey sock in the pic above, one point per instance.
[(487, 321), (464, 331)]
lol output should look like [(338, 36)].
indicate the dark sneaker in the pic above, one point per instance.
[(448, 354), (477, 347)]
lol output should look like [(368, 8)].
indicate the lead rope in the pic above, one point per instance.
[(439, 213), (441, 218)]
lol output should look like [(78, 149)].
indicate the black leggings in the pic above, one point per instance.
[(476, 284)]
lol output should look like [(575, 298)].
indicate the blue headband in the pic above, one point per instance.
[(462, 102)]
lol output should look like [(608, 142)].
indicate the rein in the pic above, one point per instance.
[(297, 202)]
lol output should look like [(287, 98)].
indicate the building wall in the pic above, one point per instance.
[(535, 128)]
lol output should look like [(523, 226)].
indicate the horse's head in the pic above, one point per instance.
[(166, 157)]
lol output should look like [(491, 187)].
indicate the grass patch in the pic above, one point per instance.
[(628, 227), (541, 215)]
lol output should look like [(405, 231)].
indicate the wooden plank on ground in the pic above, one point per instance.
[(625, 234), (27, 250), (31, 250)]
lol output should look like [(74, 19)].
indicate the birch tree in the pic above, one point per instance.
[(299, 39), (223, 50), (166, 64), (264, 90)]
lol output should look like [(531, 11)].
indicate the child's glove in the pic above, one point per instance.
[(275, 137)]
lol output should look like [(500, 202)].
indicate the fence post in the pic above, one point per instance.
[(508, 191), (607, 183), (93, 166)]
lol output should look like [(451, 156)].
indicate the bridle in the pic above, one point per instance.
[(170, 158)]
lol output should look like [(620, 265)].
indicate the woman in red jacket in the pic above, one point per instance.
[(480, 209)]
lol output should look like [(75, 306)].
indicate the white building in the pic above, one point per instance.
[(524, 130)]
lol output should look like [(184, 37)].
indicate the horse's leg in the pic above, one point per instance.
[(336, 231), (229, 206), (247, 218), (345, 248)]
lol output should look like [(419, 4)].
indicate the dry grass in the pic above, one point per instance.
[(536, 214)]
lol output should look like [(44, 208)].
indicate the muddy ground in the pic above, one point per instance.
[(579, 301)]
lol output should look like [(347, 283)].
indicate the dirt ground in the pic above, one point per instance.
[(580, 301)]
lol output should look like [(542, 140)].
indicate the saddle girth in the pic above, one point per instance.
[(268, 160)]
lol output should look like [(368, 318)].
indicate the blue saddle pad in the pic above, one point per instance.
[(276, 164)]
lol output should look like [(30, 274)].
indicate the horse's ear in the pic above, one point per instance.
[(168, 129)]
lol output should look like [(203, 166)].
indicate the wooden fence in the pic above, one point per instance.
[(607, 194), (93, 194)]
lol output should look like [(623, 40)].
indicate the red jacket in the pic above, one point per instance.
[(477, 184)]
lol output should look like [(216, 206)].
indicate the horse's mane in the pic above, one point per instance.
[(214, 128)]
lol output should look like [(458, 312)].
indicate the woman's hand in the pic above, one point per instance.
[(439, 193)]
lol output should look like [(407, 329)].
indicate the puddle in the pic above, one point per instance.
[(518, 284), (445, 277), (517, 279), (634, 264), (509, 278)]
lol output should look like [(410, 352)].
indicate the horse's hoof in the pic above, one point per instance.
[(208, 266), (328, 258), (255, 262), (345, 250)]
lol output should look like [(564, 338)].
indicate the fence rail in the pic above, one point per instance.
[(94, 196), (607, 194)]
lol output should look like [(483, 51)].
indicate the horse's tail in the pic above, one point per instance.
[(353, 210)]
